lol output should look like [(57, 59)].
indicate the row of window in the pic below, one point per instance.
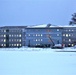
[(11, 40), (14, 35), (48, 30), (2, 35), (69, 40), (14, 44), (35, 35), (67, 35), (10, 30), (11, 35), (69, 30), (2, 40), (14, 40), (40, 35), (38, 40), (4, 45)]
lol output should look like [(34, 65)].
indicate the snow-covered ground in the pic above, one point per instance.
[(37, 61)]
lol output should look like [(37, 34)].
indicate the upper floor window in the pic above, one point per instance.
[(57, 29), (41, 35), (69, 34), (57, 34), (69, 40), (63, 34), (4, 40), (4, 35), (28, 34), (19, 35), (4, 30), (19, 40), (66, 35)]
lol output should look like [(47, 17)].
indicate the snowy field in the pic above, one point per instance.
[(32, 61)]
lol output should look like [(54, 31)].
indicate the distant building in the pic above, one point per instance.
[(11, 36), (40, 36), (33, 36)]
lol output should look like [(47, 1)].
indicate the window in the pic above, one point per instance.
[(1, 44), (1, 40), (57, 29), (20, 35), (72, 44), (17, 44), (17, 35), (66, 35), (20, 44), (19, 40), (12, 40), (15, 40), (4, 44), (41, 39), (69, 40), (14, 44), (36, 44), (10, 35), (14, 35), (36, 39), (1, 35), (4, 35), (28, 34), (4, 40), (33, 34), (41, 35), (63, 34), (69, 34), (57, 34), (36, 34), (4, 30)]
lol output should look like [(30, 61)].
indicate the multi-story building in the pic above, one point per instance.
[(69, 36), (41, 36), (11, 36), (18, 36)]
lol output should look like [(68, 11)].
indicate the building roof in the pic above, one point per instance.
[(13, 27)]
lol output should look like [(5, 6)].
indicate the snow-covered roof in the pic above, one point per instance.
[(45, 25), (41, 26)]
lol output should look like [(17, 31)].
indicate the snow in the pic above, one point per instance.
[(42, 26), (45, 25), (37, 61)]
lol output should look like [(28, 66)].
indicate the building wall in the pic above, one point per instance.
[(69, 36), (10, 37), (28, 36), (39, 36)]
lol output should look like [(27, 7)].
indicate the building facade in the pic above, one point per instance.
[(18, 36), (11, 36), (41, 36), (69, 36)]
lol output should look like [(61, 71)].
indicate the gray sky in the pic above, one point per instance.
[(34, 12)]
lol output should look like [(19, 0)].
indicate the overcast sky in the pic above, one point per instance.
[(34, 12)]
